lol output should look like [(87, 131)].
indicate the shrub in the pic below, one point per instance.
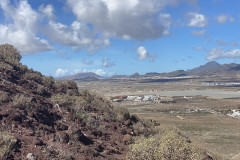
[(64, 100), (93, 102), (21, 101), (4, 98), (86, 102), (146, 127), (135, 118), (48, 82), (121, 113), (33, 76), (66, 87), (5, 67), (7, 145), (168, 145), (41, 90), (82, 116), (10, 54)]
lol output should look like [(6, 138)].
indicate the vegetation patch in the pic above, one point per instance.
[(7, 145)]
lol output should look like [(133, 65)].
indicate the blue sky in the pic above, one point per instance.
[(110, 37)]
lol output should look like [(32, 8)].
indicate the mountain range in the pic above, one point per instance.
[(82, 76), (209, 69)]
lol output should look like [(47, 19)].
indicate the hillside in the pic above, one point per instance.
[(42, 118)]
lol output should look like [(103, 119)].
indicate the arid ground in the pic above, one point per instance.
[(199, 109)]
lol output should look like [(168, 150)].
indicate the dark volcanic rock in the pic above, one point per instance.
[(50, 118)]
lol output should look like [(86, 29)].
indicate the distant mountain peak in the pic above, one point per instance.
[(214, 67), (82, 76), (135, 75), (212, 64)]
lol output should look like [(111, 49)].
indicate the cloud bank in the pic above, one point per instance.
[(126, 19), (64, 72), (22, 27), (97, 21), (218, 53)]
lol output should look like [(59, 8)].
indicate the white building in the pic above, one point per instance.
[(131, 98)]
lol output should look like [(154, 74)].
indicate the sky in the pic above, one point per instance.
[(113, 37)]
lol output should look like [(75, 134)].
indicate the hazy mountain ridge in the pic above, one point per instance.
[(82, 76), (212, 68), (209, 69)]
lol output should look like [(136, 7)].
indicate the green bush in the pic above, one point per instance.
[(10, 54)]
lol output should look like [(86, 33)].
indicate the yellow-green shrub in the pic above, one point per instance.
[(121, 113), (168, 145)]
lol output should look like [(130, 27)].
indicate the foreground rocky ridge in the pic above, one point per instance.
[(45, 119)]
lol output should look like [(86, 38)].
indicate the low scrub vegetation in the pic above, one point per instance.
[(22, 101), (169, 143), (7, 145), (121, 114)]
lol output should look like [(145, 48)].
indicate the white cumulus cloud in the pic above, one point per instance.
[(77, 35), (101, 72), (126, 19), (47, 11), (197, 19), (142, 53), (21, 28), (61, 72), (218, 53)]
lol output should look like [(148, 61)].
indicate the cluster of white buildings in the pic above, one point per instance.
[(221, 83), (153, 77), (141, 98), (235, 113), (144, 98)]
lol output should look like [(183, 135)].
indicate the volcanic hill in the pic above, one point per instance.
[(42, 118)]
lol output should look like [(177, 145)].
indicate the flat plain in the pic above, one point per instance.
[(199, 109)]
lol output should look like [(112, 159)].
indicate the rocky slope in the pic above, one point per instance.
[(42, 118)]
